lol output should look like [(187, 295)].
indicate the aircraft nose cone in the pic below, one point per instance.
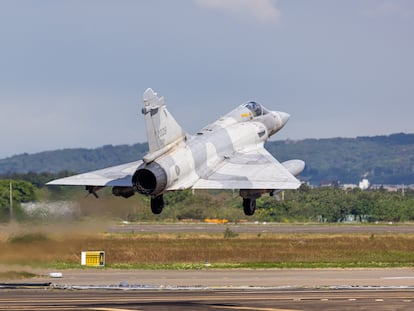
[(280, 119), (284, 117)]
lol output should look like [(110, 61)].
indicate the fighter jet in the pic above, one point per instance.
[(227, 154)]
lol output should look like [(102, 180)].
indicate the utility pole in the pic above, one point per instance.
[(11, 201)]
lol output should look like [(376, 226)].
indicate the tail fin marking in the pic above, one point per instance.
[(163, 132)]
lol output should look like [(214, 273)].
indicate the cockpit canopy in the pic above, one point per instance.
[(243, 113), (255, 108)]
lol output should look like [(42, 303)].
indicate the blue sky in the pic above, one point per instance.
[(72, 72)]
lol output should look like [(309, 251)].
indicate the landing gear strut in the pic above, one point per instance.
[(157, 204), (249, 206)]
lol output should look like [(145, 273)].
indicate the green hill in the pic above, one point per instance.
[(74, 160), (381, 159)]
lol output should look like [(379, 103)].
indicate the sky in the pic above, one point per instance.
[(72, 72)]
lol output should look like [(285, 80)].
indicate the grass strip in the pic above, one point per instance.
[(245, 251)]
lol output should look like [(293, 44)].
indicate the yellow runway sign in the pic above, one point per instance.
[(93, 258)]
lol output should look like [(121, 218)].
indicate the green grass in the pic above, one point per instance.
[(191, 251)]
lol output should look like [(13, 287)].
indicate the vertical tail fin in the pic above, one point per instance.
[(163, 132)]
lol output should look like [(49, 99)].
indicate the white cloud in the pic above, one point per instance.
[(262, 10)]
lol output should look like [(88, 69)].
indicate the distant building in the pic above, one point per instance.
[(364, 184), (329, 183), (392, 188)]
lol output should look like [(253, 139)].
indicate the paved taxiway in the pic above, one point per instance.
[(262, 228)]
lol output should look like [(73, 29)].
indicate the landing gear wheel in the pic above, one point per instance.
[(157, 204), (249, 206)]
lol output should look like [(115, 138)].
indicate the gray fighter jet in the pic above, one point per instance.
[(227, 154)]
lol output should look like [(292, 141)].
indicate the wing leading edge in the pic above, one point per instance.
[(255, 169), (120, 175)]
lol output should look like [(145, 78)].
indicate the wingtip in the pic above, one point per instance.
[(54, 182)]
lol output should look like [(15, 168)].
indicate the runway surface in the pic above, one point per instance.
[(262, 228), (267, 290), (259, 300), (297, 278)]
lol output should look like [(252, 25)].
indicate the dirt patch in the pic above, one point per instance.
[(16, 275)]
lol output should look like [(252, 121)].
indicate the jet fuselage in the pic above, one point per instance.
[(199, 156), (227, 154)]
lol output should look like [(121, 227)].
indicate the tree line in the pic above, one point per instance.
[(12, 194), (307, 204), (381, 159), (332, 204)]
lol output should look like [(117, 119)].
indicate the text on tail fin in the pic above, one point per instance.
[(163, 131)]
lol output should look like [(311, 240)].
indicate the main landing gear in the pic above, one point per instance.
[(157, 204), (249, 206)]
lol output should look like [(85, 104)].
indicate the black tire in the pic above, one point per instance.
[(249, 206), (157, 204)]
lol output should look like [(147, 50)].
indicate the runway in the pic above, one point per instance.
[(259, 300), (227, 278), (267, 290)]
